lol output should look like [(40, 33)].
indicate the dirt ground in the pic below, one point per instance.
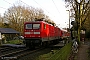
[(83, 51)]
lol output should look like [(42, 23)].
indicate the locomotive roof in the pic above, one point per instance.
[(35, 22), (39, 22)]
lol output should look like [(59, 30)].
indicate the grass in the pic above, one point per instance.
[(14, 42), (88, 51), (60, 54)]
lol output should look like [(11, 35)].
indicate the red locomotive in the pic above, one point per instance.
[(41, 33)]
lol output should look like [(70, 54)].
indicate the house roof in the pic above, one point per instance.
[(8, 31)]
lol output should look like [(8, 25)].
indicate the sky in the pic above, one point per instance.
[(55, 9)]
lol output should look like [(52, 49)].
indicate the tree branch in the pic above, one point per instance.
[(85, 18)]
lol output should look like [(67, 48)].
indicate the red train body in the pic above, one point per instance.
[(40, 33), (65, 34)]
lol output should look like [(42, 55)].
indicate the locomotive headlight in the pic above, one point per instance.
[(36, 32), (38, 36), (27, 32)]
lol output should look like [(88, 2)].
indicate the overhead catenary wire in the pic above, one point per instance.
[(8, 2), (43, 8), (39, 5), (55, 6), (46, 10), (3, 7), (30, 6), (24, 3)]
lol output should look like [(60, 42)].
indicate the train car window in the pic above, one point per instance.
[(36, 26), (28, 26), (44, 26)]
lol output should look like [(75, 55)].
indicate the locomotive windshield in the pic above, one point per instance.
[(32, 26), (28, 26), (36, 26)]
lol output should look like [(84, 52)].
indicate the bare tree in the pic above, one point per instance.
[(1, 21), (17, 15), (81, 9)]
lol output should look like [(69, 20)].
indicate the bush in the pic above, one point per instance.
[(61, 54), (15, 42)]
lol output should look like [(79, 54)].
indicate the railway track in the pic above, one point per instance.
[(10, 54), (35, 54), (27, 53), (17, 54), (6, 49)]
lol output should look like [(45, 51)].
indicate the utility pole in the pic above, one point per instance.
[(69, 18), (79, 20)]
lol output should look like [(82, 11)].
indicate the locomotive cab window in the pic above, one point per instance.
[(36, 26), (28, 26), (44, 26)]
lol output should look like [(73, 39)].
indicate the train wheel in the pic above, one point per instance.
[(32, 46), (27, 44), (46, 44), (41, 44)]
